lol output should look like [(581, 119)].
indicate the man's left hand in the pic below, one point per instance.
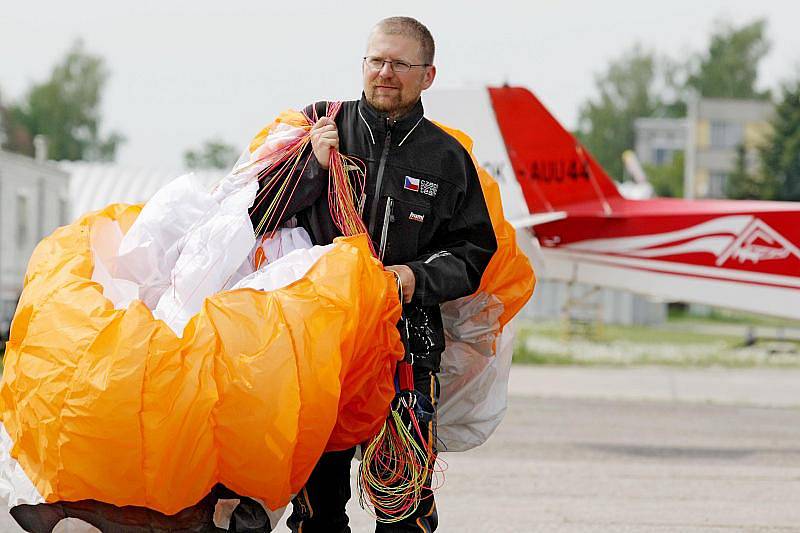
[(407, 280)]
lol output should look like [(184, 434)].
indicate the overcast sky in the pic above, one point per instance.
[(184, 71)]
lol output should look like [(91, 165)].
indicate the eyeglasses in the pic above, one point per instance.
[(376, 63)]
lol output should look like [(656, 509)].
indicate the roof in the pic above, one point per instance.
[(29, 162), (93, 186)]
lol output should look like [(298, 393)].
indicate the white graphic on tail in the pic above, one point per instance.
[(745, 248)]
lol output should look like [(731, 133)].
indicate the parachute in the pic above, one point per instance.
[(133, 390), (475, 365), (106, 404)]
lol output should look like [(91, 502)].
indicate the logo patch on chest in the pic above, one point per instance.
[(411, 184), (428, 187), (416, 217)]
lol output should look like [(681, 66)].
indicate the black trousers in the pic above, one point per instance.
[(320, 506)]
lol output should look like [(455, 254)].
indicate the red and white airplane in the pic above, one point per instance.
[(737, 254)]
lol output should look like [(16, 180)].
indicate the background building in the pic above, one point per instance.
[(659, 139), (38, 196), (35, 199), (716, 127), (709, 137)]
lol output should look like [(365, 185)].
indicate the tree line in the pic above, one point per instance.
[(65, 108), (644, 83)]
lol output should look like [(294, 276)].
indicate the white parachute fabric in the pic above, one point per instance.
[(15, 486), (105, 237), (280, 136), (284, 270), (210, 253), (150, 249), (475, 368), (189, 243), (74, 525)]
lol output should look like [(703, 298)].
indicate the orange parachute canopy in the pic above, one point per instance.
[(112, 405), (509, 276)]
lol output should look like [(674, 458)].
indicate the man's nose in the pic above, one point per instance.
[(386, 70)]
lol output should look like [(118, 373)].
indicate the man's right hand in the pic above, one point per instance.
[(324, 136)]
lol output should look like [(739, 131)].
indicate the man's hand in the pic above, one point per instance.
[(407, 280), (324, 136)]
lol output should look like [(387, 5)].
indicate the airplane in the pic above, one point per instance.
[(737, 254)]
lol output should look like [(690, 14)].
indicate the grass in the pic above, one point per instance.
[(725, 316), (549, 343)]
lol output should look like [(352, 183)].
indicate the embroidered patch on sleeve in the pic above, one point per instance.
[(417, 217)]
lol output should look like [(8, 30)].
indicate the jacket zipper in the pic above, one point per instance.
[(387, 217), (373, 212)]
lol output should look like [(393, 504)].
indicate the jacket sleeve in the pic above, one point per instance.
[(302, 190), (461, 249)]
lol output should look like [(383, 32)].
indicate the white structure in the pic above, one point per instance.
[(38, 196), (561, 300), (658, 139), (35, 201), (93, 186)]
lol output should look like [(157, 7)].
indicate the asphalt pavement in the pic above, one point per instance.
[(632, 450), (662, 450)]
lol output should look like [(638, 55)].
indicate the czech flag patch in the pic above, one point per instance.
[(412, 184)]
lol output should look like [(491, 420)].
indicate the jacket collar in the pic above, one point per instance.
[(378, 122)]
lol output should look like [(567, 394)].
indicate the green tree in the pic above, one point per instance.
[(729, 69), (746, 185), (780, 154), (667, 180), (66, 110), (632, 86), (212, 154)]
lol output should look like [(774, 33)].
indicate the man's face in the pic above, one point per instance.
[(395, 93)]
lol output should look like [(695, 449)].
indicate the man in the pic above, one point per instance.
[(426, 214)]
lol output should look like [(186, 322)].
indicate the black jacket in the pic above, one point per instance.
[(428, 212)]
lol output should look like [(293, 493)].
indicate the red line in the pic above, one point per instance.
[(702, 276)]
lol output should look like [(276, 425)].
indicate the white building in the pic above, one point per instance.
[(659, 139), (94, 185), (35, 200), (38, 196), (709, 137)]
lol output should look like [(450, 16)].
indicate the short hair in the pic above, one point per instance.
[(410, 27)]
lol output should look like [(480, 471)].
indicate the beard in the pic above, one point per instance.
[(394, 103)]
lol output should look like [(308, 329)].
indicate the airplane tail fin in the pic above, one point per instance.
[(555, 171)]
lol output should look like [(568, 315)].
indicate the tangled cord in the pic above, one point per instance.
[(396, 467), (346, 182), (399, 463)]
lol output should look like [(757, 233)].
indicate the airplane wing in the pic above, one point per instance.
[(538, 219)]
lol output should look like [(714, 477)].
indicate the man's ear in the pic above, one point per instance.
[(430, 74)]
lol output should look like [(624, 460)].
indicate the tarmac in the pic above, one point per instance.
[(652, 449), (664, 450)]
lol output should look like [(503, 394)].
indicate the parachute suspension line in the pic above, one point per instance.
[(346, 194), (284, 177), (395, 468), (346, 183), (399, 463)]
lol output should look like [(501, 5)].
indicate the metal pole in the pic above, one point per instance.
[(690, 153)]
